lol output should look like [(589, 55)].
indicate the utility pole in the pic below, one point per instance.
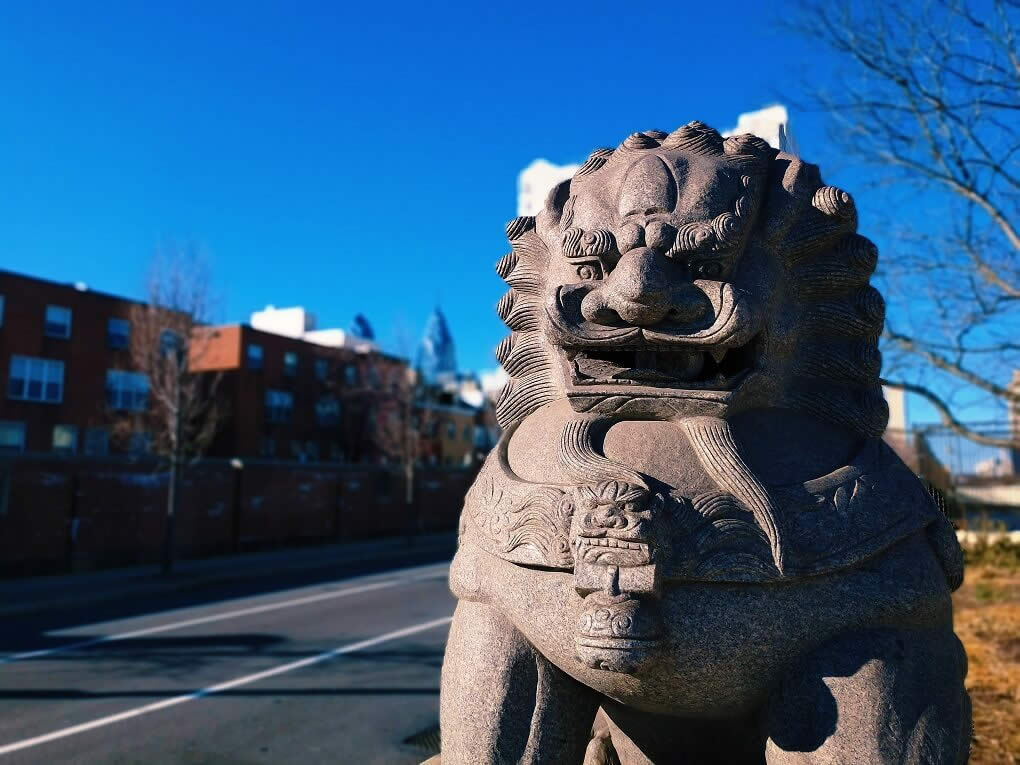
[(179, 350)]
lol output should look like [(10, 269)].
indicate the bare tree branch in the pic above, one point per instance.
[(168, 340), (927, 98), (948, 419)]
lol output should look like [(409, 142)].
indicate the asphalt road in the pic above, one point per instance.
[(338, 672)]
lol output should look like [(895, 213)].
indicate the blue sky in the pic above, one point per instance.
[(353, 157)]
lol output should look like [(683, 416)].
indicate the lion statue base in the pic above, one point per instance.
[(691, 544)]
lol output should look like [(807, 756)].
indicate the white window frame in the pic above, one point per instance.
[(73, 448), (253, 352), (327, 411), (60, 310), (126, 323), (44, 371), (279, 405), (125, 392), (290, 363), (171, 342), (16, 426)]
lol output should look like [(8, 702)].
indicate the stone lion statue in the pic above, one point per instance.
[(691, 544)]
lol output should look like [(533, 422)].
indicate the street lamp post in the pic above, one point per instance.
[(179, 350)]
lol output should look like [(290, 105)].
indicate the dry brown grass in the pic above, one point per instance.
[(987, 611)]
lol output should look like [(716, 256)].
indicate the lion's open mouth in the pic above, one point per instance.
[(686, 368), (608, 551)]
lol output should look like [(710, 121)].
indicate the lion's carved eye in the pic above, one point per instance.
[(589, 271)]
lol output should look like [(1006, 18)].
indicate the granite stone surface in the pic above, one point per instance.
[(690, 544)]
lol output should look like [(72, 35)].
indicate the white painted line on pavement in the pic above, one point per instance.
[(27, 743), (207, 619)]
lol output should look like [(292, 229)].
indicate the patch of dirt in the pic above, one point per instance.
[(987, 619)]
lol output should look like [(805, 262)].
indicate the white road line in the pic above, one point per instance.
[(206, 619), (27, 743)]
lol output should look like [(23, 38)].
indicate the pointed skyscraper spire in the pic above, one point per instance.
[(361, 328), (436, 356)]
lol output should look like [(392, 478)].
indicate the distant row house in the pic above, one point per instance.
[(64, 356), (290, 392), (290, 398)]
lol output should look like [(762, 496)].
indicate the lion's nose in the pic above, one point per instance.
[(644, 289)]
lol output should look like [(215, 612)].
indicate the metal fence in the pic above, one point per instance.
[(967, 460)]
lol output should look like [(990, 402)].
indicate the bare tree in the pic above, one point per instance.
[(405, 420), (928, 98), (169, 341)]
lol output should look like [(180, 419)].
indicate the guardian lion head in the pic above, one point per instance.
[(683, 275)]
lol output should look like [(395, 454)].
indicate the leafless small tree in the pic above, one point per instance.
[(169, 339), (405, 421), (928, 99), (405, 418)]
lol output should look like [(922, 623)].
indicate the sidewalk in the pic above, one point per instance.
[(19, 597)]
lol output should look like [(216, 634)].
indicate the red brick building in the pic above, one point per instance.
[(65, 366), (292, 399)]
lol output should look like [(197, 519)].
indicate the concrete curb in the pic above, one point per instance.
[(23, 597)]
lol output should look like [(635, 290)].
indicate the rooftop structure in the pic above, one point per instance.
[(534, 183), (771, 123), (299, 323)]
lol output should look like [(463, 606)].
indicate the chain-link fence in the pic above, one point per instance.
[(966, 460)]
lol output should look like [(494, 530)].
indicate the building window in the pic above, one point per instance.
[(12, 437), (118, 333), (254, 357), (451, 431), (170, 342), (65, 439), (128, 391), (58, 321), (97, 442), (140, 442), (336, 452), (312, 451), (279, 405), (322, 368), (267, 447), (35, 379), (351, 374), (467, 432), (290, 363), (1, 310), (327, 411)]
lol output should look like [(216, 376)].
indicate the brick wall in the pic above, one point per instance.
[(74, 514)]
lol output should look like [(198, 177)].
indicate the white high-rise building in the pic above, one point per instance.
[(536, 180), (300, 323), (771, 123)]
